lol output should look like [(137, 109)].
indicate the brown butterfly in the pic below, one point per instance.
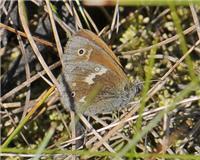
[(88, 61)]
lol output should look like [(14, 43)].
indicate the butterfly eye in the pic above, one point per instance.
[(81, 52), (73, 94)]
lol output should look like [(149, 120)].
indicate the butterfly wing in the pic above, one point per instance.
[(96, 51), (87, 62)]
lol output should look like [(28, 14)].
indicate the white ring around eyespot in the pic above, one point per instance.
[(97, 69), (81, 51), (73, 94)]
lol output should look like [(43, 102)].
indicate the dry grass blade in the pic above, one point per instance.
[(11, 105), (115, 20), (76, 18), (68, 7), (46, 80), (58, 44), (82, 13), (196, 19), (160, 15), (28, 75), (65, 27), (91, 21)]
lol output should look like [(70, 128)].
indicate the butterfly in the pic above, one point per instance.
[(88, 62)]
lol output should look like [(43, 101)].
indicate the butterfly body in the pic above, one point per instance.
[(88, 61)]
